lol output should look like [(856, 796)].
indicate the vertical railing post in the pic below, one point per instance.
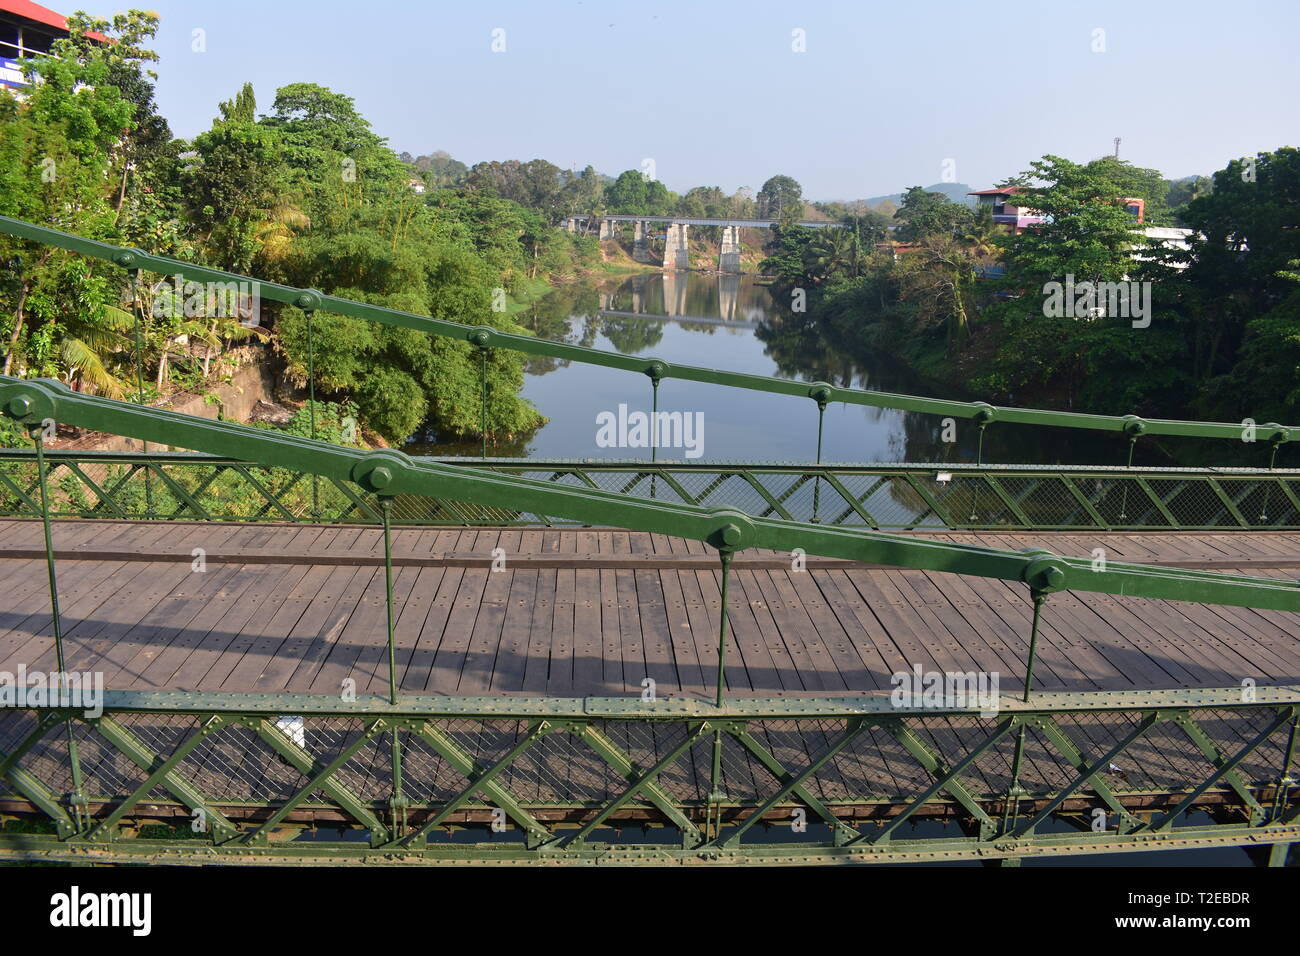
[(480, 339), (1011, 804), (385, 508), (713, 809), (137, 316), (308, 305), (42, 478), (1052, 577), (726, 556), (713, 820), (982, 418), (1133, 427), (821, 394), (1285, 780), (1276, 439), (1039, 599), (80, 807), (398, 800), (655, 370)]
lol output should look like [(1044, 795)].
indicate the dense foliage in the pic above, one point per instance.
[(306, 194), (963, 299)]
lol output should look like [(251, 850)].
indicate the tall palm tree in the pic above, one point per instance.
[(832, 254), (980, 239)]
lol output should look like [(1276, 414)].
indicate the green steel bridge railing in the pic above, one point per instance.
[(561, 774), (484, 338)]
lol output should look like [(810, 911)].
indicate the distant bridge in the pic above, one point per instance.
[(676, 254), (705, 221)]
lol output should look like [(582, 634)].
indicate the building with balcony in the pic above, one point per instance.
[(1005, 211), (26, 30)]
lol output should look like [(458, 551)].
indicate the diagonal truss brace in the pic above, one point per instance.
[(320, 780), (26, 783), (1224, 767), (483, 780), (1090, 775), (163, 773), (947, 778), (641, 784), (842, 830), (856, 725), (1216, 756), (293, 755), (615, 757)]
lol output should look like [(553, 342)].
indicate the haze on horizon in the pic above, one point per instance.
[(880, 99)]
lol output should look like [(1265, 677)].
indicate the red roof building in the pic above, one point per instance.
[(27, 30)]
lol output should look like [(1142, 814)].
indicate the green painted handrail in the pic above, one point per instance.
[(391, 473), (889, 496), (485, 337)]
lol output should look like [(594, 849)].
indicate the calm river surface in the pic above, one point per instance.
[(733, 323)]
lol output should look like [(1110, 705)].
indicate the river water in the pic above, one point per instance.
[(734, 323)]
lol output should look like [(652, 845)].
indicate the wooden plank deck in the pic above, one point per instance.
[(585, 612)]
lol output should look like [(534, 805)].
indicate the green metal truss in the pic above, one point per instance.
[(821, 393), (557, 781), (189, 486)]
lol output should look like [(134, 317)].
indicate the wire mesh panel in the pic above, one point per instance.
[(188, 487)]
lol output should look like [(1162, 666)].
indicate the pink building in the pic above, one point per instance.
[(1006, 212)]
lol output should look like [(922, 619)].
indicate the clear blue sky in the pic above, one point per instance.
[(883, 95)]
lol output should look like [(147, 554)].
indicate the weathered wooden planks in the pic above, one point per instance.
[(594, 612)]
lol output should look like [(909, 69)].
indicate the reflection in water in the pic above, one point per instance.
[(732, 322)]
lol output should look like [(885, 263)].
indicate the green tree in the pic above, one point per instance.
[(62, 156), (633, 194), (1086, 236), (235, 186), (781, 198), (923, 214), (1239, 291)]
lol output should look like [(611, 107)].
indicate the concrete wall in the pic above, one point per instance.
[(249, 385)]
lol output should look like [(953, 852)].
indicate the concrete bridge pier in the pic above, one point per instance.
[(729, 253), (640, 242), (606, 229), (676, 253)]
